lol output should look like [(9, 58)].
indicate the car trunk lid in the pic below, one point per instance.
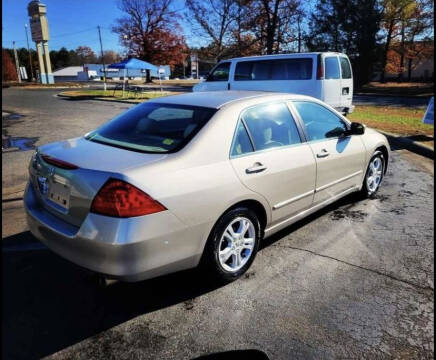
[(67, 192)]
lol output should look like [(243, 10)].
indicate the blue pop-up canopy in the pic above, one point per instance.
[(133, 64)]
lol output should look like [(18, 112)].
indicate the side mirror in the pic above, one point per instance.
[(356, 129)]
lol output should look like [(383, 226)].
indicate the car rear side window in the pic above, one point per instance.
[(320, 122), (271, 125), (331, 67), (243, 70), (292, 69), (281, 69), (345, 68), (261, 70), (241, 144), (153, 127), (220, 73)]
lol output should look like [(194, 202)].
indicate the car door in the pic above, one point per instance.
[(270, 158), (346, 82), (332, 82), (340, 159), (219, 77)]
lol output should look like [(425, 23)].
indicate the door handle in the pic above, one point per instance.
[(324, 153), (256, 168)]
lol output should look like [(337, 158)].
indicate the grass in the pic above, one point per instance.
[(118, 95), (405, 121)]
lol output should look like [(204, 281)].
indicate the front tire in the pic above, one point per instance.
[(232, 244), (374, 175)]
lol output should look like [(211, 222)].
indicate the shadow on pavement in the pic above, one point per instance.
[(421, 138), (50, 303), (406, 143), (386, 100)]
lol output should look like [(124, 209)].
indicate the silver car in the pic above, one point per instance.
[(196, 179)]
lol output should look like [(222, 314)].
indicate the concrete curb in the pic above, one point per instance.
[(409, 144), (97, 99)]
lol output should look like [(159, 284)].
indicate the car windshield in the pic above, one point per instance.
[(153, 127)]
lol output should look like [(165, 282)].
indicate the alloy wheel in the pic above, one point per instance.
[(375, 174), (236, 244)]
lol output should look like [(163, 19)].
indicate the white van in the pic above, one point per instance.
[(326, 76)]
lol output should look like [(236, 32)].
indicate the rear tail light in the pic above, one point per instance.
[(59, 163), (118, 198), (319, 68)]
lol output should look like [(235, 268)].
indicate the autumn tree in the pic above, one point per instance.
[(246, 27), (394, 12), (150, 31), (9, 71), (86, 55), (109, 57), (420, 25)]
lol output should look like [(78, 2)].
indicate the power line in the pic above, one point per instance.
[(58, 35), (73, 33)]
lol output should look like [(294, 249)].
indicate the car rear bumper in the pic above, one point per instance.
[(129, 249)]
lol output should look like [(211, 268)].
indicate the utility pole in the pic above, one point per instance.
[(102, 57), (17, 65), (30, 54)]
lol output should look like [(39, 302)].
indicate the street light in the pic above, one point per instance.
[(30, 54)]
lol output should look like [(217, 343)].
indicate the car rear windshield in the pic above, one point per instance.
[(153, 127)]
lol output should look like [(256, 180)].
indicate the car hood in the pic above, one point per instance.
[(88, 154)]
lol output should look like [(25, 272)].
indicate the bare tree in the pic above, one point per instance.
[(214, 19), (273, 22), (110, 56)]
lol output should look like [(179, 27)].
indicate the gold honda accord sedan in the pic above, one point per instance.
[(196, 179)]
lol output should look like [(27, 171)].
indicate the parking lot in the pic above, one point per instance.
[(352, 281)]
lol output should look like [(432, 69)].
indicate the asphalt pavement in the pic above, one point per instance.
[(353, 281)]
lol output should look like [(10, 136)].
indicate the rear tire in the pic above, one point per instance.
[(232, 245), (374, 175)]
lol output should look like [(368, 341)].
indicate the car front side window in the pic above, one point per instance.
[(320, 122), (220, 73)]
